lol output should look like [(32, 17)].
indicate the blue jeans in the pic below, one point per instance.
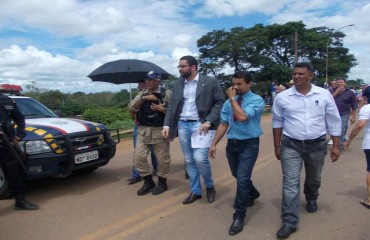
[(292, 157), (197, 162), (134, 172), (345, 119), (242, 155)]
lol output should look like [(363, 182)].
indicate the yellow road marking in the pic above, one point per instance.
[(148, 222), (132, 219), (225, 179)]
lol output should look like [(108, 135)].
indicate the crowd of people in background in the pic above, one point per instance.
[(275, 88)]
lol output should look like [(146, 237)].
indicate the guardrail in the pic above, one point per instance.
[(123, 132)]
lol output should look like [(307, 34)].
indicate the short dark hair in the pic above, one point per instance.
[(341, 78), (366, 93), (247, 77), (191, 60), (307, 65)]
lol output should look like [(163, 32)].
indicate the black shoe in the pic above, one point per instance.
[(147, 187), (311, 206), (25, 205), (211, 194), (161, 187), (252, 198), (191, 198), (236, 227), (134, 180), (285, 231)]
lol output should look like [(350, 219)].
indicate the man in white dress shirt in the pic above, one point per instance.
[(301, 117)]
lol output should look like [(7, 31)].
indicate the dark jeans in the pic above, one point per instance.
[(242, 155), (13, 173)]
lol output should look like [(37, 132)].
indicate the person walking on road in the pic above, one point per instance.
[(135, 175), (347, 105), (363, 121), (241, 118), (301, 117), (195, 106), (150, 106), (14, 174)]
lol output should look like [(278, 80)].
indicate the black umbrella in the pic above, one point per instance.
[(125, 71)]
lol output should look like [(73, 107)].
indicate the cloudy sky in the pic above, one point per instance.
[(57, 43)]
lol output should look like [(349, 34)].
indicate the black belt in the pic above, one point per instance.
[(189, 120), (243, 140), (309, 141)]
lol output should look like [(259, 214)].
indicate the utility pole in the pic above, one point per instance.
[(295, 48), (327, 51)]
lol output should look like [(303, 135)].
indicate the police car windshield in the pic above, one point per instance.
[(33, 109)]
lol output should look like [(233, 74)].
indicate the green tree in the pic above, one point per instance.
[(53, 99), (269, 51)]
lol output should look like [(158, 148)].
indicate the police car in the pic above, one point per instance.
[(56, 146)]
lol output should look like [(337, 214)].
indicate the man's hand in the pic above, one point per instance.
[(231, 92), (277, 153), (150, 97), (165, 132), (203, 129), (212, 152), (352, 120), (158, 107), (340, 89), (15, 141), (335, 152)]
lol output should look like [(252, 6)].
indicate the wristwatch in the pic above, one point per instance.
[(231, 99), (208, 122)]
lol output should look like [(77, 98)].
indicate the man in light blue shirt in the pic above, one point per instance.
[(241, 117), (301, 117)]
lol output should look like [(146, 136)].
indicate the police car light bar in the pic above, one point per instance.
[(10, 88)]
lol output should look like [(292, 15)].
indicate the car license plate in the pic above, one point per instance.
[(85, 157)]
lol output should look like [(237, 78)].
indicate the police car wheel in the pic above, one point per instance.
[(4, 188)]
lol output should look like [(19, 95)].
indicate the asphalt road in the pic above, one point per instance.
[(102, 206)]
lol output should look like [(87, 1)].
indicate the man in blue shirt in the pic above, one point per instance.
[(241, 117)]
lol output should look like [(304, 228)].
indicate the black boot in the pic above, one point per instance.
[(147, 187), (161, 187), (22, 204)]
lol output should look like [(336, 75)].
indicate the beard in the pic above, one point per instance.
[(185, 74)]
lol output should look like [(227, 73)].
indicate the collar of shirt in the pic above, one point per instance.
[(293, 91), (195, 79)]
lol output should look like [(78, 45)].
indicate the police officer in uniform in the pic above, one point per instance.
[(15, 175), (150, 106)]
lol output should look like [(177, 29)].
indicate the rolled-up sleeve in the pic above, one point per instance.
[(333, 120), (133, 101), (257, 105), (277, 113)]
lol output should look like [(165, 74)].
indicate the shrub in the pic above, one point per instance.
[(106, 115)]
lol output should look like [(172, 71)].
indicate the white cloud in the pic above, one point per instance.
[(58, 43), (219, 8)]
